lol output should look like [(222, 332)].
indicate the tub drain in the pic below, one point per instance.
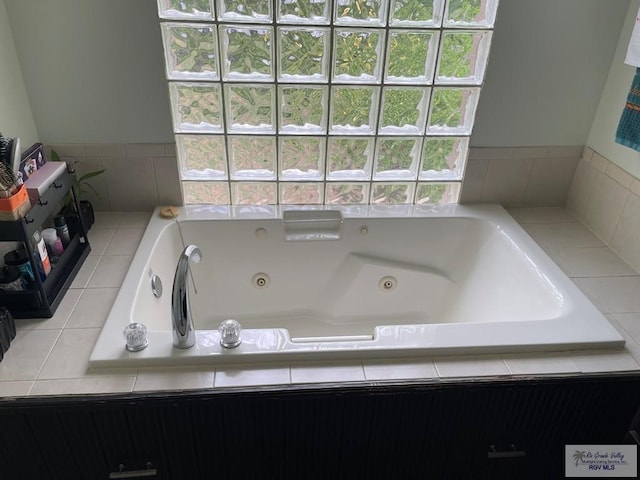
[(260, 280), (387, 284)]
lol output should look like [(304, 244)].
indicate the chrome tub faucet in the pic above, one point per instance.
[(184, 332)]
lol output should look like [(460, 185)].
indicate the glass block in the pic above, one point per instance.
[(354, 109), (423, 13), (470, 13), (301, 158), (350, 158), (463, 57), (215, 193), (190, 51), (360, 12), (437, 193), (250, 108), (302, 109), (444, 158), (196, 107), (397, 158), (304, 54), (247, 53), (254, 193), (347, 193), (303, 11), (452, 111), (411, 56), (185, 9), (404, 110), (244, 10), (391, 193), (357, 55), (252, 158), (301, 193), (202, 157)]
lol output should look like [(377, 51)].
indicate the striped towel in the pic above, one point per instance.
[(628, 133)]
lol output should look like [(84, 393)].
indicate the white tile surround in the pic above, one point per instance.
[(137, 176), (520, 176), (141, 176), (607, 200), (50, 356)]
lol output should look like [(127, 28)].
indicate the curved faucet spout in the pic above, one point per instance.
[(184, 332)]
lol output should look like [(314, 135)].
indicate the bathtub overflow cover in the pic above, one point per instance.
[(156, 286), (387, 283), (260, 280)]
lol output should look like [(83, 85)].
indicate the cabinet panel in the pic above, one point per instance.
[(365, 431), (21, 457)]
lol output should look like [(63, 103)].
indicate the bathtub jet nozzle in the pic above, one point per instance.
[(184, 332)]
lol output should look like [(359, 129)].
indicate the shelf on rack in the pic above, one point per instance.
[(43, 298)]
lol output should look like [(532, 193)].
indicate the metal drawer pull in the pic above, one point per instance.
[(28, 220), (122, 473), (512, 453), (42, 203), (57, 185)]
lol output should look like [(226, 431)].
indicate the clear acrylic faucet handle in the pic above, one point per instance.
[(136, 336), (230, 333)]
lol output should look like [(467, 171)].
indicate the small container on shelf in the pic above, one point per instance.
[(40, 180), (16, 206), (18, 258), (52, 241), (11, 279), (40, 252), (62, 229)]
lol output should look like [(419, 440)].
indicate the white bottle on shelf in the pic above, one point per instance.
[(41, 250), (53, 242)]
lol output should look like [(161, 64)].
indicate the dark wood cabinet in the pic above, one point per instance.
[(350, 431)]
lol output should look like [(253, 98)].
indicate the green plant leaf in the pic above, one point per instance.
[(80, 184), (89, 175), (91, 187)]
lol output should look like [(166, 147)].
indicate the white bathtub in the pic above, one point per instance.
[(384, 282)]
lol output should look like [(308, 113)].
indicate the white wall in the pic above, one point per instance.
[(547, 68), (93, 69), (15, 112), (603, 131), (94, 74)]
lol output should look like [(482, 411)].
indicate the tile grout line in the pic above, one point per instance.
[(75, 305), (64, 326), (44, 363), (33, 384)]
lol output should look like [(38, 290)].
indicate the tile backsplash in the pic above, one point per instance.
[(141, 176), (607, 200), (138, 177), (600, 194), (520, 176)]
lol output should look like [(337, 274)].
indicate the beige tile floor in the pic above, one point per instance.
[(50, 356)]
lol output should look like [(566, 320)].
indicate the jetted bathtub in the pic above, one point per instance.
[(355, 282)]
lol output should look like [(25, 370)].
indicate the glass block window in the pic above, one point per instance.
[(324, 101)]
